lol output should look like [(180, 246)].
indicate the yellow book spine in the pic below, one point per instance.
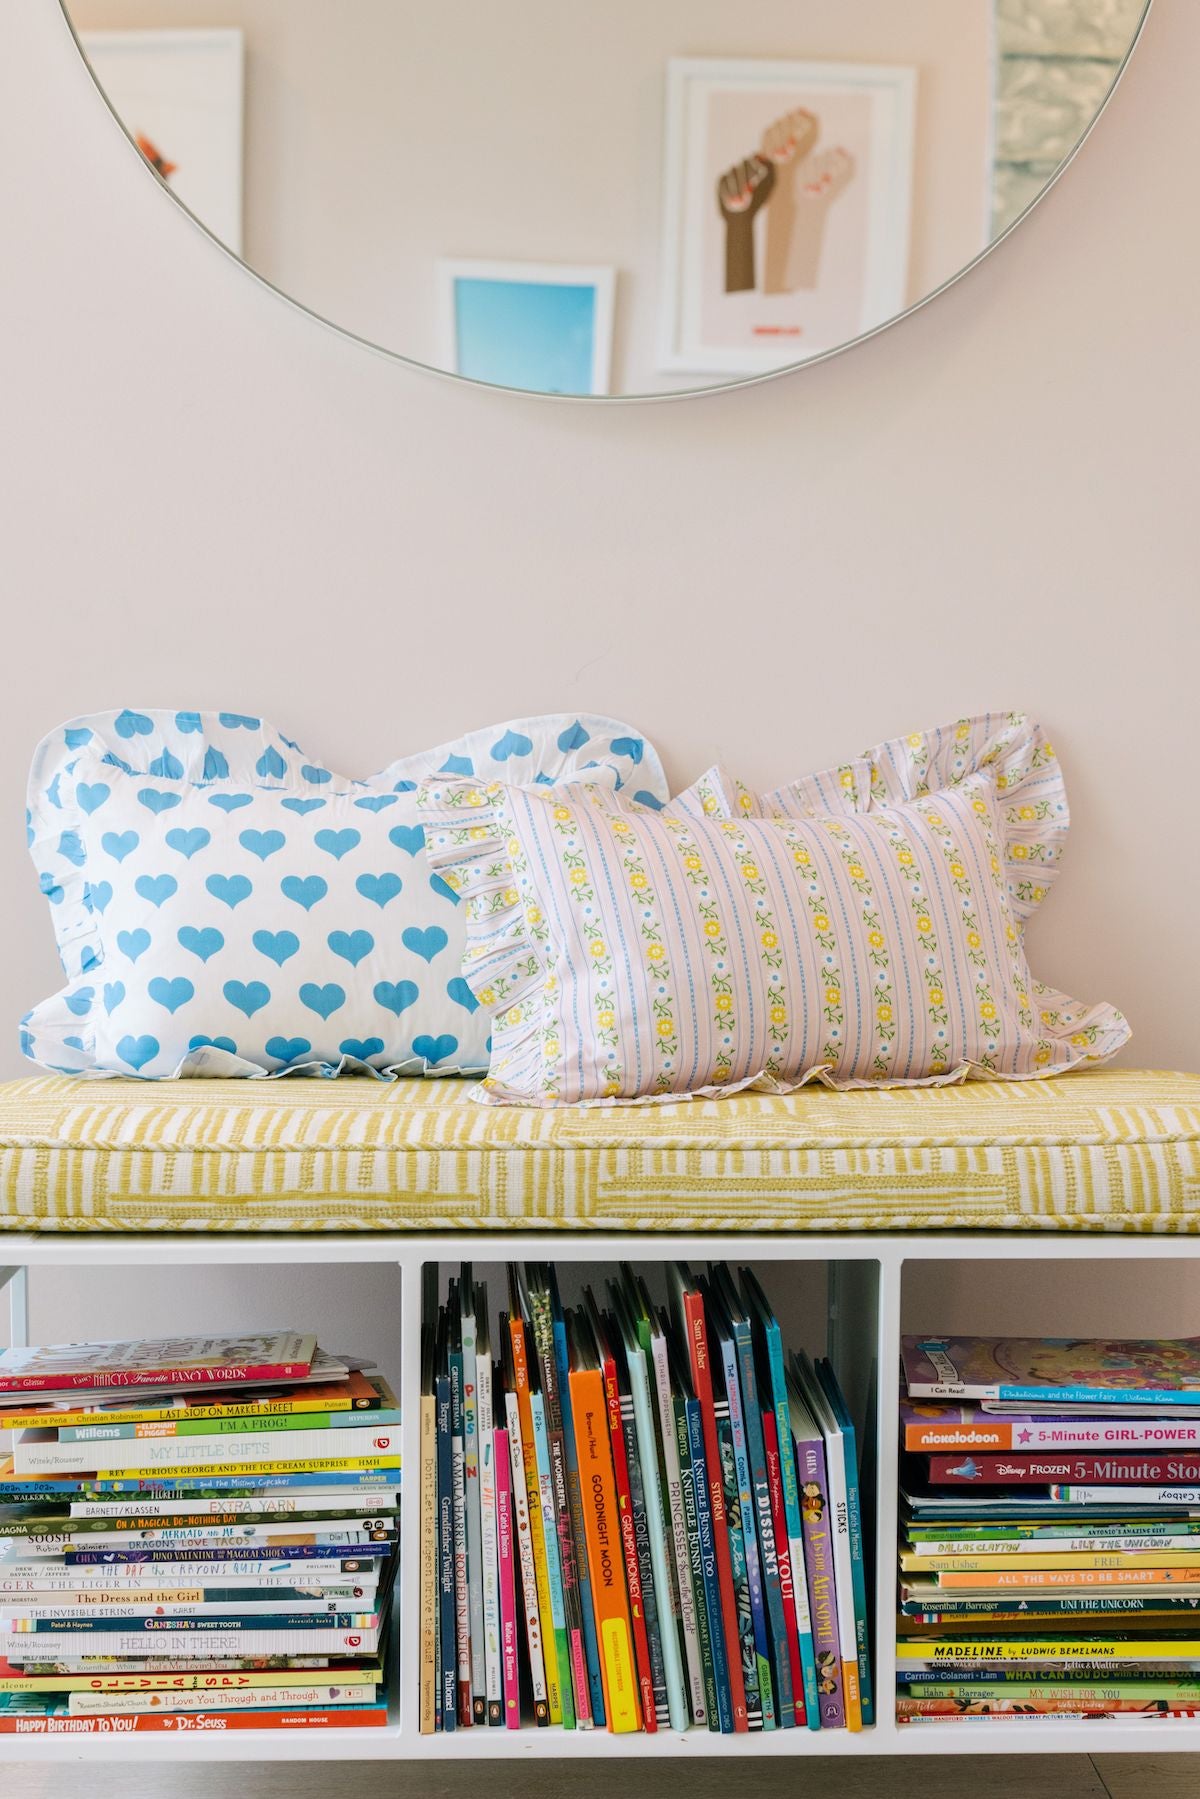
[(429, 1570), (1048, 1649)]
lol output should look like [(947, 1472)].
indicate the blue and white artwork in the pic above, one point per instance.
[(541, 328)]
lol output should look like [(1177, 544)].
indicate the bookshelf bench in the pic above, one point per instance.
[(851, 1208), (843, 1291)]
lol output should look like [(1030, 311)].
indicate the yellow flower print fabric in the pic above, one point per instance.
[(861, 927)]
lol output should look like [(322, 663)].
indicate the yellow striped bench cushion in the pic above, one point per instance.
[(1110, 1149)]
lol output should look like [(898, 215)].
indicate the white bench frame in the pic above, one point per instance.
[(864, 1323)]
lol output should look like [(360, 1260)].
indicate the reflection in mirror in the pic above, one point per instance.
[(619, 199)]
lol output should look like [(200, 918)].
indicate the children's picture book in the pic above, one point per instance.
[(933, 1426), (1075, 1370), (171, 1362)]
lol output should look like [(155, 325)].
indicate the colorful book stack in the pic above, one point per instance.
[(634, 1517), (1050, 1529), (199, 1533)]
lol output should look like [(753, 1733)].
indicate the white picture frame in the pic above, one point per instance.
[(183, 93), (574, 297), (698, 334)]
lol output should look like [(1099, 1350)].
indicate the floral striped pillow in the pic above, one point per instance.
[(861, 927)]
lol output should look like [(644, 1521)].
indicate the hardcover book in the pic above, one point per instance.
[(169, 1362), (1077, 1371)]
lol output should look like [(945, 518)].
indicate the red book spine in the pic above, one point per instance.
[(1040, 1468), (180, 1723), (633, 1575), (783, 1560), (121, 1378), (693, 1310)]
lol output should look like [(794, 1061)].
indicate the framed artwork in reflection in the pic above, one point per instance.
[(787, 209), (544, 327)]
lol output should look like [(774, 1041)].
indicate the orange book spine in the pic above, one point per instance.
[(589, 1412), (1076, 1577)]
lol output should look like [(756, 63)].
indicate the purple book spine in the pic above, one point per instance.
[(818, 1567)]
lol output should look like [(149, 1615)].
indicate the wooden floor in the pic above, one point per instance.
[(1002, 1777)]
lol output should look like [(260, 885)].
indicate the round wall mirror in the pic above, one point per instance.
[(621, 200)]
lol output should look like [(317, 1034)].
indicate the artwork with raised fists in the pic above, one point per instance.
[(788, 209)]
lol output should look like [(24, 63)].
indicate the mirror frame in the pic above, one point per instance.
[(685, 393)]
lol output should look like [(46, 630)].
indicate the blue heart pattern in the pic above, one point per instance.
[(238, 891)]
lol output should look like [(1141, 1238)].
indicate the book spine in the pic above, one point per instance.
[(704, 1711), (1096, 1707), (264, 1424), (230, 1506), (698, 1351), (858, 1566), (953, 1608), (462, 1603), (789, 1644), (1076, 1577), (1007, 1557), (677, 1518), (1096, 1652), (211, 1534), (126, 1379), (633, 1573), (821, 1578), (541, 1443), (808, 1710), (474, 1527), (16, 1645), (489, 1548), (1018, 1393), (1166, 1495), (510, 1676), (198, 1687), (641, 1538), (753, 1665), (589, 1412), (145, 1454), (131, 1611), (529, 1580), (740, 1502), (57, 1417), (269, 1698), (777, 1630), (1030, 1435), (835, 1473), (337, 1718), (543, 1342), (554, 1675), (166, 1555), (658, 1525), (721, 1714), (1027, 1469), (1019, 1686), (591, 1643)]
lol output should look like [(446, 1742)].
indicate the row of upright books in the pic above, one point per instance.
[(1050, 1529), (195, 1534), (634, 1516)]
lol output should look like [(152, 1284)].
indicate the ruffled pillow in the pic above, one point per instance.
[(861, 927), (226, 905)]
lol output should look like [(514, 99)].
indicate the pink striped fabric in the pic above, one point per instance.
[(861, 927)]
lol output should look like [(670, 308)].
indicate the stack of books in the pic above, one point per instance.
[(634, 1516), (1050, 1529), (199, 1533)]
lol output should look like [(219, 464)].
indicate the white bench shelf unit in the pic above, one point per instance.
[(866, 1274)]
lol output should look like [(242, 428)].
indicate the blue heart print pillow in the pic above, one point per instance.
[(226, 905)]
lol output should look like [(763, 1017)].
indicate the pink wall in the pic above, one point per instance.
[(210, 500)]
